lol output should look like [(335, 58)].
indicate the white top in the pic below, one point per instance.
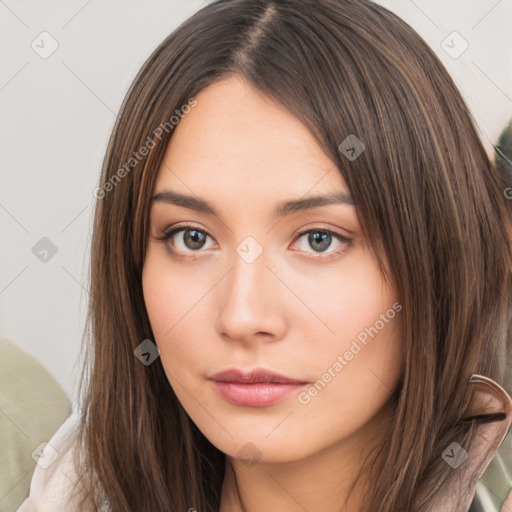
[(54, 477)]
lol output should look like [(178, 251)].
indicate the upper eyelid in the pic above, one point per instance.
[(176, 229)]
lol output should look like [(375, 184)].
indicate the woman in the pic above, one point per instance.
[(300, 274)]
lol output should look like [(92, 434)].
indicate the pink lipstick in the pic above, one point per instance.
[(254, 388)]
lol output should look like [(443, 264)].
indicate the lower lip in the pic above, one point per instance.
[(255, 394)]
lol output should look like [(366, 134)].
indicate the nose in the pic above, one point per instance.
[(252, 302)]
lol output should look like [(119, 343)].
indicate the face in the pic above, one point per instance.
[(290, 291)]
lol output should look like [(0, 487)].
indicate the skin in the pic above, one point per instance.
[(293, 310)]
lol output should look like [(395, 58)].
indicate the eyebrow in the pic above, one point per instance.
[(282, 209)]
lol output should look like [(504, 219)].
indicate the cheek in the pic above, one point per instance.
[(358, 360), (175, 303), (345, 303), (169, 294)]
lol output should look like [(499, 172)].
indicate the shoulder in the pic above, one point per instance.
[(52, 487)]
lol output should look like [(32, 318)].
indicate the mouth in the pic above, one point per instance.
[(254, 388)]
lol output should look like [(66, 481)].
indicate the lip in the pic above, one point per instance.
[(254, 388)]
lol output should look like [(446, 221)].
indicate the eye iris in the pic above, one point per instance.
[(324, 239), (196, 238)]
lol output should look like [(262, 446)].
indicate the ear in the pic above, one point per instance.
[(489, 398)]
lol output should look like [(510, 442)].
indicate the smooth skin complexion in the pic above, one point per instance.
[(293, 310)]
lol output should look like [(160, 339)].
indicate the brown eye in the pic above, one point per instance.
[(193, 239), (190, 240)]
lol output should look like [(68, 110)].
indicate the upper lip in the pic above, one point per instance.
[(253, 376)]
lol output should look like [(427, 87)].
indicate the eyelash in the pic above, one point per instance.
[(184, 227)]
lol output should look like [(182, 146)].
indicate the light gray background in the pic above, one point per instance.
[(57, 114)]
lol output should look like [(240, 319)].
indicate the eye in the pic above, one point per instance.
[(192, 239), (321, 239)]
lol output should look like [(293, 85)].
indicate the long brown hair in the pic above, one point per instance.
[(427, 195)]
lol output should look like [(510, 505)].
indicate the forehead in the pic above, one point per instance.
[(239, 140)]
